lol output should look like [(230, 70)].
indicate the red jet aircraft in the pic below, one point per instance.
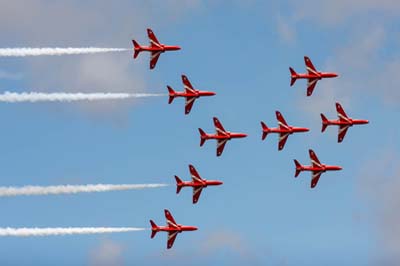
[(190, 94), (221, 135), (344, 122), (316, 168), (172, 228), (284, 130), (197, 183), (156, 48), (312, 76)]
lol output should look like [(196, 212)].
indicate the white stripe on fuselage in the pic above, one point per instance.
[(343, 117), (197, 179), (221, 142), (155, 43), (188, 88), (315, 163), (153, 55), (172, 234)]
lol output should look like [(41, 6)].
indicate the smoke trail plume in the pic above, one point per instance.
[(26, 232), (21, 52), (70, 189), (13, 97)]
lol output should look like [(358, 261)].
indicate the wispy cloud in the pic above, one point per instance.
[(107, 253), (285, 29), (379, 187), (333, 13), (10, 75)]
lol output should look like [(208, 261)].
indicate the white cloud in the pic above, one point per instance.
[(332, 13), (10, 75), (106, 254), (285, 29), (379, 187)]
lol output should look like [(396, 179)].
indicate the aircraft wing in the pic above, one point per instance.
[(282, 140), (218, 127), (315, 178), (154, 58), (281, 121), (221, 146), (311, 85), (187, 85), (195, 176), (189, 104), (342, 132), (171, 238), (196, 194), (310, 67), (153, 39), (170, 220), (314, 159), (341, 113)]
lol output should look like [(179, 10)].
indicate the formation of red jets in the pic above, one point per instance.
[(222, 136)]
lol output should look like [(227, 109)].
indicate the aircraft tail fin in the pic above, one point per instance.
[(324, 122), (178, 184), (265, 130), (202, 137), (137, 48), (293, 76), (298, 168), (171, 94), (153, 229)]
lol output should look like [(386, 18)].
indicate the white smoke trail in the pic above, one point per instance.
[(70, 189), (20, 52), (13, 97), (26, 232)]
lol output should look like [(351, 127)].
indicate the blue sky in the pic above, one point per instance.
[(261, 215)]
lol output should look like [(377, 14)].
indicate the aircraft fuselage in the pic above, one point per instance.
[(319, 75)]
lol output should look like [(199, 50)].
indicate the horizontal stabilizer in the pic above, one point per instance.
[(324, 122), (202, 137), (298, 168), (153, 229), (265, 130), (171, 93), (178, 184), (137, 48), (293, 76)]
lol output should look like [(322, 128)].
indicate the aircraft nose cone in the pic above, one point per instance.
[(194, 228)]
